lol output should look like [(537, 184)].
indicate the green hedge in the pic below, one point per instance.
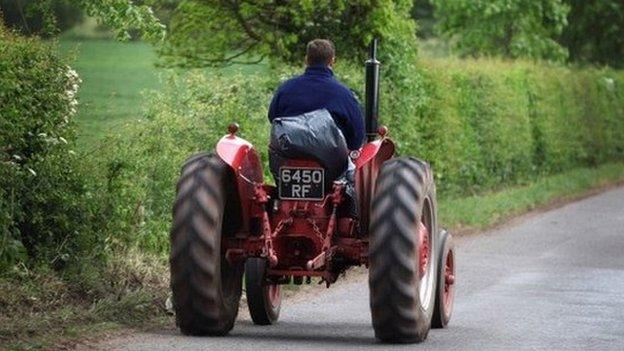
[(494, 123), (482, 124), (44, 214)]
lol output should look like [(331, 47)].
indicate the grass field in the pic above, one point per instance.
[(115, 77)]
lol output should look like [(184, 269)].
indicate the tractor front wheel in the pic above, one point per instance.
[(264, 298), (445, 292), (402, 257), (206, 287)]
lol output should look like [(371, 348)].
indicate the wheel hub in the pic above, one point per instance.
[(423, 255), (274, 294), (449, 280)]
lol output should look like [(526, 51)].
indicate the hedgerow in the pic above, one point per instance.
[(482, 125), (495, 123), (44, 210)]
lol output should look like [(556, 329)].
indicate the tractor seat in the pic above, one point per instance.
[(311, 136)]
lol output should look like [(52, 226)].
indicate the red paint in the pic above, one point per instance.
[(383, 148), (274, 295), (243, 159), (424, 249), (449, 282), (299, 238)]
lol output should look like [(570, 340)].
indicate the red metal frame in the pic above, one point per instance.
[(300, 238), (243, 159)]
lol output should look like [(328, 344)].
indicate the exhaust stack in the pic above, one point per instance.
[(371, 113)]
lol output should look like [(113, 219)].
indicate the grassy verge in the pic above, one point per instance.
[(39, 310), (468, 214)]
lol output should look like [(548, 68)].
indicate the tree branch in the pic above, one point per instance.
[(235, 7)]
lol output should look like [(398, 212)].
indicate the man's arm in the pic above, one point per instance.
[(273, 106), (355, 122)]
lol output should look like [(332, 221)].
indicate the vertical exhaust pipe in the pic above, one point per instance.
[(371, 115)]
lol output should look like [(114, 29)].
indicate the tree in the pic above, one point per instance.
[(422, 13), (216, 32), (123, 16), (596, 32), (510, 28), (18, 14)]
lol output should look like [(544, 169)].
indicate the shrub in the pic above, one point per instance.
[(493, 123), (482, 124), (43, 216), (141, 164)]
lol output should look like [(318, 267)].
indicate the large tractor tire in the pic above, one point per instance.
[(445, 292), (206, 288), (263, 298), (402, 275)]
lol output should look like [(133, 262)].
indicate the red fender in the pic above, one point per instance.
[(382, 149), (241, 156), (367, 165)]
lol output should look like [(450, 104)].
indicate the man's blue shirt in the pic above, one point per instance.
[(317, 89)]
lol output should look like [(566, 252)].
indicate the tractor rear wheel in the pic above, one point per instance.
[(263, 298), (206, 287), (445, 292), (401, 256)]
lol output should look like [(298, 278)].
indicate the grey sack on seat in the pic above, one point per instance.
[(313, 135)]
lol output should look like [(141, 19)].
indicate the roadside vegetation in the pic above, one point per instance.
[(86, 190)]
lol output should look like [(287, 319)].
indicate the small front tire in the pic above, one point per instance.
[(445, 292), (264, 298)]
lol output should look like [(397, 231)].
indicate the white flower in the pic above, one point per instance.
[(31, 171), (610, 83), (17, 157)]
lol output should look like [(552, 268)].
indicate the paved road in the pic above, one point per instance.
[(553, 281)]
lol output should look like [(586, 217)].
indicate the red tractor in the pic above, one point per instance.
[(228, 223)]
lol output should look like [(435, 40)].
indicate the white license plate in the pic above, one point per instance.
[(302, 183)]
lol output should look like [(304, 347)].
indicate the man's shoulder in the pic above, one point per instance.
[(300, 80), (291, 82), (343, 87)]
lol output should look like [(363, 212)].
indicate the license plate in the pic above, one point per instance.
[(302, 183)]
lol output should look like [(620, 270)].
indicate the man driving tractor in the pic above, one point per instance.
[(314, 221), (315, 116)]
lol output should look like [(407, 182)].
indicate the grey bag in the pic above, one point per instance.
[(313, 135)]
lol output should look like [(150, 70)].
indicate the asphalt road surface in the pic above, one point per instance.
[(551, 281)]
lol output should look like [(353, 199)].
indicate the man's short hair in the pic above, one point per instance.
[(319, 52)]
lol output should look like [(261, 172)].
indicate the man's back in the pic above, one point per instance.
[(317, 89)]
